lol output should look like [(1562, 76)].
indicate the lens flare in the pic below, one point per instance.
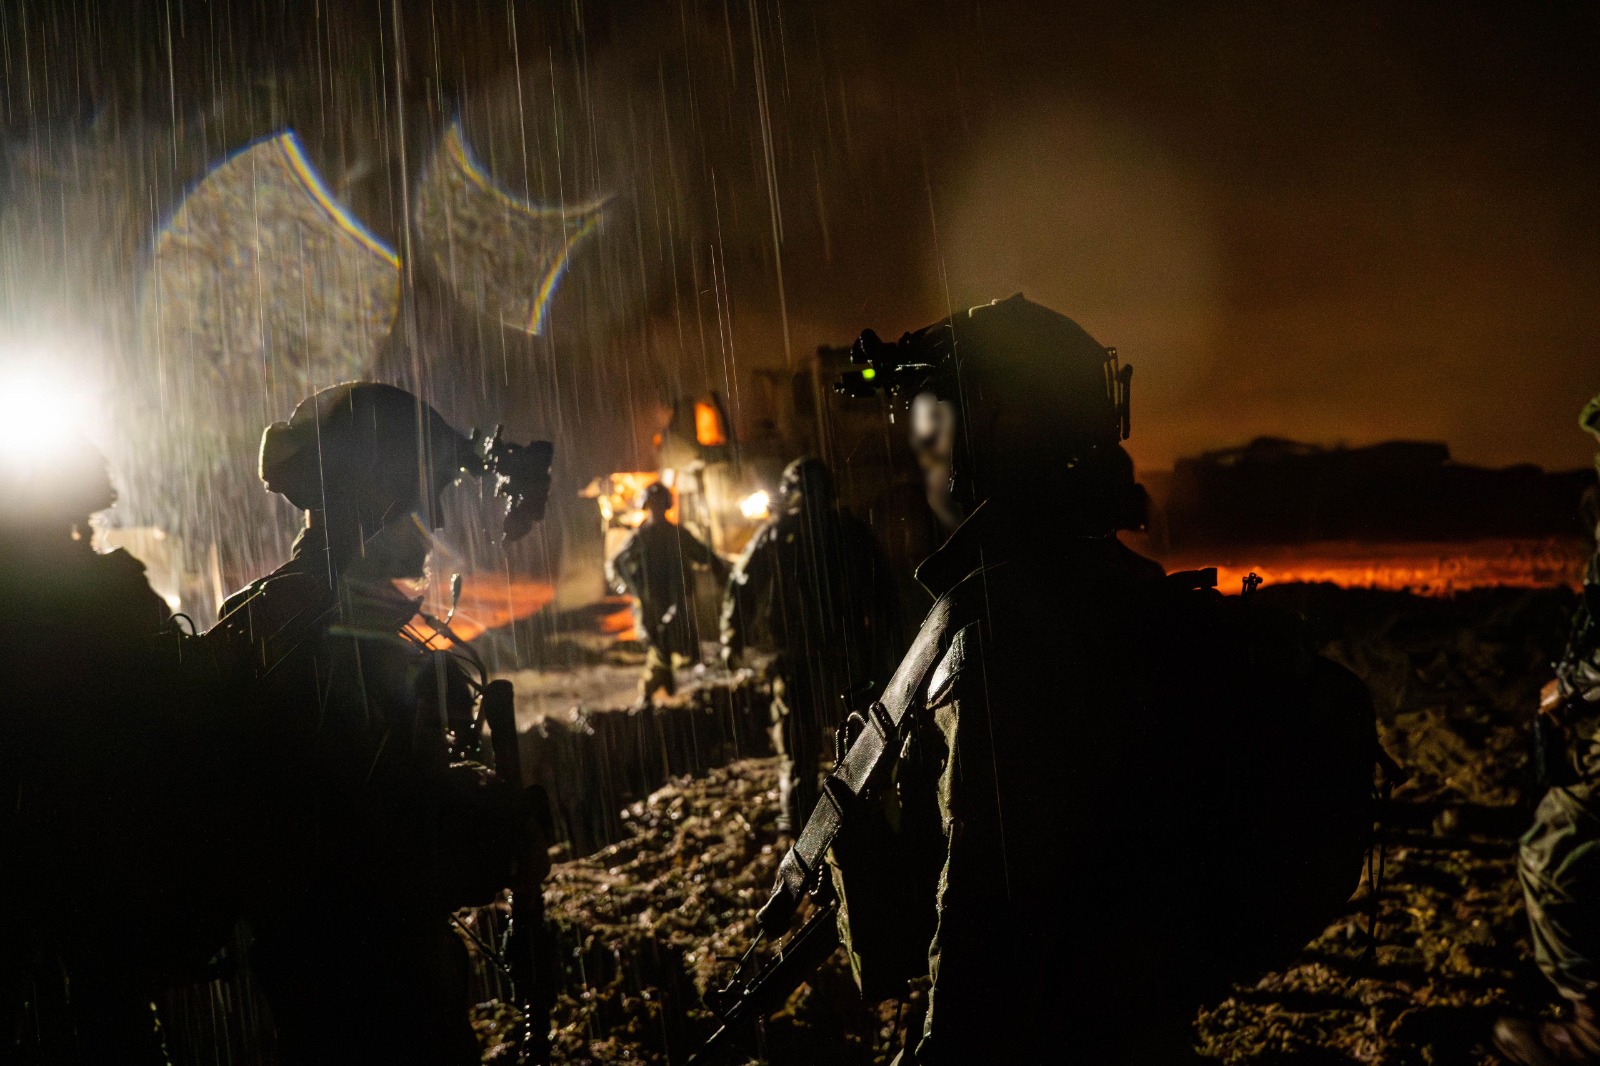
[(756, 506), (41, 408)]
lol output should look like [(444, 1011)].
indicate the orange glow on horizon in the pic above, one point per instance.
[(488, 601), (1429, 569)]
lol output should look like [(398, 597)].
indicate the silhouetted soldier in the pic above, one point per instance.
[(813, 585), (653, 567), (1090, 793), (91, 876), (1560, 856), (359, 834)]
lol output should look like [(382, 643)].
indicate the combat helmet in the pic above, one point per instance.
[(362, 451), (363, 454), (806, 482), (1043, 407), (655, 496)]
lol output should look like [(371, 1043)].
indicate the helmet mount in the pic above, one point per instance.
[(1026, 398), (364, 453)]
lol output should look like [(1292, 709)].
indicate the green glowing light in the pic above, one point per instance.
[(868, 374)]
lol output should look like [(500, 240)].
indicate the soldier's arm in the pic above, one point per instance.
[(888, 855), (1577, 679), (885, 867), (483, 837), (699, 552), (619, 568), (973, 865), (750, 578)]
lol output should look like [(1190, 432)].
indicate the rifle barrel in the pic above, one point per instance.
[(786, 971), (527, 908)]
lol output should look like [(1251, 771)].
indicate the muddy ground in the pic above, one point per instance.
[(649, 922)]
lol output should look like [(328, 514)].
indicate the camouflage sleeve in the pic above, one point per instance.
[(751, 576), (1579, 669), (697, 551), (974, 873), (620, 570), (885, 869)]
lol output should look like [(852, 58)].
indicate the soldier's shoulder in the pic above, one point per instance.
[(936, 639), (1136, 566), (771, 533), (122, 562), (948, 669), (121, 580), (949, 614), (272, 602), (971, 597)]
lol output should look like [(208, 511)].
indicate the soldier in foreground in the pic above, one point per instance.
[(360, 833), (1560, 855), (100, 902), (1092, 793), (652, 567), (813, 584)]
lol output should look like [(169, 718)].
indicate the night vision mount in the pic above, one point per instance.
[(521, 475), (894, 368), (887, 368)]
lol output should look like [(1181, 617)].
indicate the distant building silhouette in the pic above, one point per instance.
[(1278, 491)]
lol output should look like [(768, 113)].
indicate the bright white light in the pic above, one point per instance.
[(756, 505), (38, 409)]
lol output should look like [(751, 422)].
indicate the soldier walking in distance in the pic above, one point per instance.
[(653, 567), (813, 585)]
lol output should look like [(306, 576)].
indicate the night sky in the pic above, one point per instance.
[(1336, 222)]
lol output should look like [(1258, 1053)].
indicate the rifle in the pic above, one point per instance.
[(870, 743), (527, 949), (745, 998)]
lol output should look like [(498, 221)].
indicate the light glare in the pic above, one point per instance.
[(756, 506), (40, 410)]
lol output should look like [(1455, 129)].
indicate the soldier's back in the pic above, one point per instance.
[(1108, 792), (1039, 794)]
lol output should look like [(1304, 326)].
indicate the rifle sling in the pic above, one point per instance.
[(878, 743)]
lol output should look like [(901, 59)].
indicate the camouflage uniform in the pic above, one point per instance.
[(358, 835), (652, 567), (365, 835), (1560, 854), (1091, 794), (988, 879), (814, 580)]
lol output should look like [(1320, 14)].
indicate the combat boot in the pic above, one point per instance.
[(1531, 1042)]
